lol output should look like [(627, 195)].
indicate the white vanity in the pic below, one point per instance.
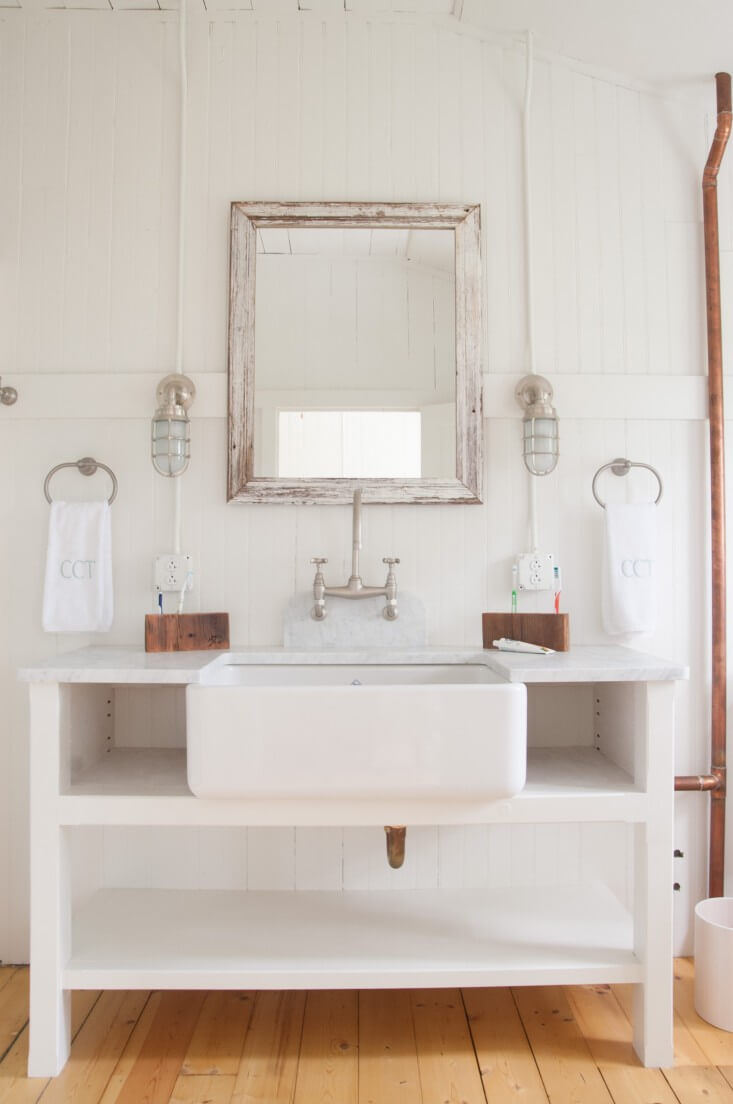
[(620, 772)]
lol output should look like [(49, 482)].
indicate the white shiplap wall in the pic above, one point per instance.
[(342, 107)]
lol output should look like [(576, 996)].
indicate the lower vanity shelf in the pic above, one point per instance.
[(183, 939)]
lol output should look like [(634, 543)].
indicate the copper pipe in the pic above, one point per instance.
[(717, 483), (395, 844), (716, 879), (695, 782)]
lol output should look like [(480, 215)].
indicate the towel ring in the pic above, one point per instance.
[(86, 466), (620, 466)]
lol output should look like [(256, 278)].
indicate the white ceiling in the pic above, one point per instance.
[(666, 42)]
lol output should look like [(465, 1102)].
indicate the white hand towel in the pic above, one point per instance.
[(629, 587), (78, 593)]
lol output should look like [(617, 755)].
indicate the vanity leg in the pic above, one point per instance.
[(653, 876), (50, 1004)]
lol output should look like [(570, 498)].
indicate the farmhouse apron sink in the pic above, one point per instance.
[(449, 731)]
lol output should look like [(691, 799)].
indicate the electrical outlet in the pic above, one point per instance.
[(535, 571), (172, 572)]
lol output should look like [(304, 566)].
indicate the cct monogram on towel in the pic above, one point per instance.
[(636, 569), (76, 569)]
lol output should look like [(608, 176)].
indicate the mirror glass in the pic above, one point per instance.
[(355, 353)]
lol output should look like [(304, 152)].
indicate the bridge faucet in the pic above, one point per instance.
[(355, 588)]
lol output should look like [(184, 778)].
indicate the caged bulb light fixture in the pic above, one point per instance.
[(171, 429), (541, 439)]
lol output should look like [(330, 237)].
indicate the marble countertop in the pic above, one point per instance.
[(120, 665)]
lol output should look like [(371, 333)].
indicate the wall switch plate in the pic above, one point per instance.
[(172, 571), (535, 571)]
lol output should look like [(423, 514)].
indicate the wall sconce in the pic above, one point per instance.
[(541, 438), (171, 429)]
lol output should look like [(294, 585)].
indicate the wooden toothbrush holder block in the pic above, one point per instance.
[(186, 632), (551, 630)]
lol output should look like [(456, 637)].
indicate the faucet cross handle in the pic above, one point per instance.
[(390, 560), (319, 560)]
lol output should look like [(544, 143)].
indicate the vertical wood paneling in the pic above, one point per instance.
[(356, 94), (231, 149), (450, 136), (223, 565), (164, 203), (686, 298), (138, 180), (83, 81), (56, 165), (335, 124), (196, 290), (288, 117), (632, 235), (381, 109), (12, 65), (473, 166), (463, 857), (174, 858), (613, 349), (685, 151), (587, 221), (653, 230), (427, 136), (336, 108), (564, 224), (270, 858), (544, 202), (126, 858), (500, 856), (310, 107), (33, 172), (523, 856), (496, 172), (222, 854), (265, 107), (497, 539), (404, 92), (271, 570), (515, 319), (318, 858)]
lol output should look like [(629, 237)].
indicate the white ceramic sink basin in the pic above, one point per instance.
[(283, 731)]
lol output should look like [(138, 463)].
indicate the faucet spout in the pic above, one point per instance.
[(355, 588)]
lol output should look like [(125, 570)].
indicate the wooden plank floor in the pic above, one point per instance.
[(427, 1046)]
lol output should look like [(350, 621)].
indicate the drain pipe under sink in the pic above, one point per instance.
[(395, 844)]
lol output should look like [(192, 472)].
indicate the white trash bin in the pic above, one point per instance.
[(714, 961)]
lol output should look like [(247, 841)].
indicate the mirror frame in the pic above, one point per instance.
[(246, 220)]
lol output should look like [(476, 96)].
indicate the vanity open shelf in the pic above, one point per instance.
[(148, 786), (108, 755), (206, 939)]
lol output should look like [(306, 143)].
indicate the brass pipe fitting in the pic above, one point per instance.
[(395, 844)]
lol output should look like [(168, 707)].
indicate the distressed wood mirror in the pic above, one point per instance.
[(354, 352)]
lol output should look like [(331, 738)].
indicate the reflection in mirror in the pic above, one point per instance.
[(351, 444), (355, 353)]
